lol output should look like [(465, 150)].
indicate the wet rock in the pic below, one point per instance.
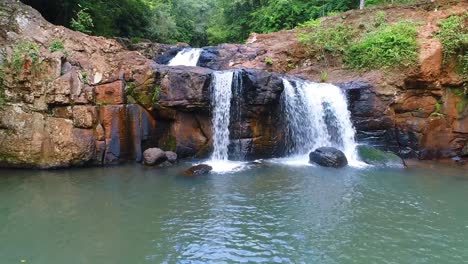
[(154, 156), (110, 93), (165, 164), (379, 158), (167, 56), (198, 170), (328, 157), (171, 156), (464, 151)]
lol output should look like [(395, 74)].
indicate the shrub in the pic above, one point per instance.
[(56, 45), (454, 37), (269, 61), (386, 47), (332, 40), (83, 22), (22, 52)]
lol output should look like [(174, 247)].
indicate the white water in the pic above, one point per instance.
[(221, 107), (186, 57), (317, 116)]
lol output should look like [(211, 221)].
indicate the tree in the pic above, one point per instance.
[(361, 4)]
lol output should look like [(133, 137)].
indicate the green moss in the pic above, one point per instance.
[(376, 157), (168, 143), (438, 109), (268, 61), (323, 76), (156, 92), (130, 89), (461, 106)]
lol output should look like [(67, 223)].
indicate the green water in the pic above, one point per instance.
[(271, 214)]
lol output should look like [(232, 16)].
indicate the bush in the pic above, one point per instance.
[(22, 52), (388, 46), (454, 37), (56, 45), (332, 40), (83, 22)]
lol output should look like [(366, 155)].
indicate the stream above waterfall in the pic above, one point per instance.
[(186, 57)]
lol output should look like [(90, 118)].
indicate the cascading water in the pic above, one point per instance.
[(221, 105), (221, 108), (317, 116), (186, 57)]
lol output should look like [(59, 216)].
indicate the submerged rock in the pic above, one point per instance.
[(198, 170), (328, 157), (379, 158), (154, 156)]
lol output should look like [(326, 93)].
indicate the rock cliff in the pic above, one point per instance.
[(69, 99)]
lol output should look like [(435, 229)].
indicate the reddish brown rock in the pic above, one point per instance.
[(110, 93), (112, 118), (430, 58)]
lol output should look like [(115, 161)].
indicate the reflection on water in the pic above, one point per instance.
[(272, 214)]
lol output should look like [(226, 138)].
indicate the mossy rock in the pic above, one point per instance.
[(168, 143), (379, 158)]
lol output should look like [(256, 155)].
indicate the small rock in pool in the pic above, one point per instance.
[(171, 156), (154, 156), (328, 157), (198, 170), (379, 158)]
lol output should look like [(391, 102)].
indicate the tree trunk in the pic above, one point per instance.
[(361, 4)]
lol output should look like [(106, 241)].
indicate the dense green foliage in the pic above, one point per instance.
[(454, 37), (386, 47), (83, 22), (198, 22), (374, 44)]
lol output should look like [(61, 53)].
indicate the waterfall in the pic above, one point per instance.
[(221, 108), (222, 93), (186, 57), (317, 115)]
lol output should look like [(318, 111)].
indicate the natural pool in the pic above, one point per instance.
[(271, 214)]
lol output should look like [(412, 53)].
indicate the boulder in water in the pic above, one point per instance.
[(171, 156), (198, 170), (379, 158), (328, 157), (154, 156)]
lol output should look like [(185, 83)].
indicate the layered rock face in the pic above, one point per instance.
[(68, 106), (184, 112), (419, 112), (94, 102)]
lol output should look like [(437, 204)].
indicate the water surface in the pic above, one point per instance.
[(271, 214)]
